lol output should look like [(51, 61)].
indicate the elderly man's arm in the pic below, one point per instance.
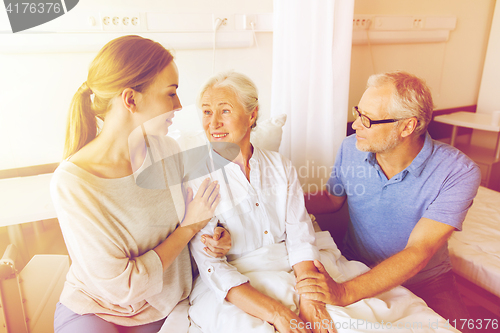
[(323, 202), (425, 239)]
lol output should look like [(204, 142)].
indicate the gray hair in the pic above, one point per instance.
[(411, 97), (242, 86)]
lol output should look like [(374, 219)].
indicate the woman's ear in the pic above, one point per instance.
[(253, 116), (129, 99)]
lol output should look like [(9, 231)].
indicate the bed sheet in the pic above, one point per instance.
[(268, 270), (475, 251)]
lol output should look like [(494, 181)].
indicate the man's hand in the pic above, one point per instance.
[(315, 313), (217, 245), (319, 286)]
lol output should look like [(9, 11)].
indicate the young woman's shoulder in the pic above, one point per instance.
[(92, 159), (67, 180), (69, 175)]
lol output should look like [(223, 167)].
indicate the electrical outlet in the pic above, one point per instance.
[(361, 22), (250, 21), (133, 22), (122, 21), (418, 22), (227, 21), (92, 22), (126, 21), (106, 21), (242, 21), (258, 22)]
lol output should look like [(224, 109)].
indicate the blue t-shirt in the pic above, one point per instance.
[(439, 184)]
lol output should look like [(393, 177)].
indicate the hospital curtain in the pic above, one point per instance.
[(311, 67)]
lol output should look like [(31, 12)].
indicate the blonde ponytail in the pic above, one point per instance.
[(82, 124), (125, 62)]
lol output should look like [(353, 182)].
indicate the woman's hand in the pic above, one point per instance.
[(217, 245), (288, 322), (259, 305), (316, 316), (200, 208)]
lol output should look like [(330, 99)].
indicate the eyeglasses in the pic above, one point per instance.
[(367, 122)]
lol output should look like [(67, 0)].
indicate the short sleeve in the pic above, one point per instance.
[(456, 196)]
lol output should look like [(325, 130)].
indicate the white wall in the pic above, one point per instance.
[(489, 100), (36, 89), (452, 69)]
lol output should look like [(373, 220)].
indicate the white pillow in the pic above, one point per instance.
[(268, 133), (188, 131)]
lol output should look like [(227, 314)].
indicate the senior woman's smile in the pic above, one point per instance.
[(224, 117)]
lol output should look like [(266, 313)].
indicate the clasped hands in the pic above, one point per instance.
[(217, 245), (317, 289), (319, 286)]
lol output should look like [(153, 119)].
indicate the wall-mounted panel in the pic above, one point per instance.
[(401, 29)]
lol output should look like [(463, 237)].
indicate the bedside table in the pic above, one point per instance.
[(488, 160)]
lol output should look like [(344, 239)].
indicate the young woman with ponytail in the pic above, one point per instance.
[(130, 265)]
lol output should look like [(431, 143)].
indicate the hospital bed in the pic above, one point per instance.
[(267, 135), (29, 297), (475, 251)]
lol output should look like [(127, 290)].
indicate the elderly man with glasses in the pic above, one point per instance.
[(406, 195)]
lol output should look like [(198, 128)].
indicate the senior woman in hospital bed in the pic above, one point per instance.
[(262, 207)]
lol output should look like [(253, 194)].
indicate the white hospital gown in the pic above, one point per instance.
[(267, 210)]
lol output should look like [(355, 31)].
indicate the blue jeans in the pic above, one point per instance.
[(66, 321), (441, 295)]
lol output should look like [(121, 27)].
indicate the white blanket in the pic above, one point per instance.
[(269, 272)]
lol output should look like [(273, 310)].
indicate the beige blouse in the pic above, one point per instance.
[(110, 227)]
